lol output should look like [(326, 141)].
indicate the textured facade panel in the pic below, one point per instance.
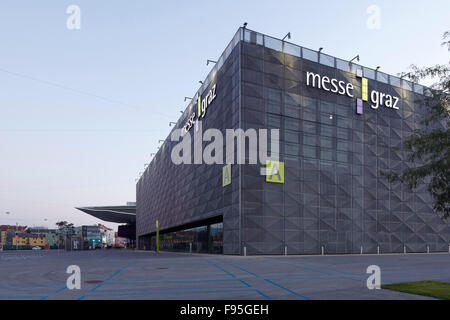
[(334, 197), (178, 195)]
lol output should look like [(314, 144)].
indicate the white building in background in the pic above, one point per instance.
[(107, 235), (110, 238)]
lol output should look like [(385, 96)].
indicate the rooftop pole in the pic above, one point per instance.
[(157, 236)]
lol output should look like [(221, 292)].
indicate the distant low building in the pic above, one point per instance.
[(29, 239), (91, 237), (52, 239), (7, 233), (120, 242), (107, 235), (39, 230)]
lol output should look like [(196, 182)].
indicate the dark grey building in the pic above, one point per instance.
[(338, 122)]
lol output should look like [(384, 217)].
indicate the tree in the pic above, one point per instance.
[(63, 226), (429, 147)]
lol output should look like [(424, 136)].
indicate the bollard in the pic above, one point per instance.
[(285, 250), (428, 249), (190, 247), (404, 249), (245, 251), (323, 251), (361, 249), (157, 236), (378, 250)]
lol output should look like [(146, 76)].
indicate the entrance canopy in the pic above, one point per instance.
[(119, 214)]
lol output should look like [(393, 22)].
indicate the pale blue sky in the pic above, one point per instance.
[(61, 149)]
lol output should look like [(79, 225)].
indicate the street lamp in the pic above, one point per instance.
[(7, 213), (319, 53), (402, 75), (357, 59), (17, 227), (350, 64), (210, 61), (48, 231), (287, 36)]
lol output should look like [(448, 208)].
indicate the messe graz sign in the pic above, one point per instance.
[(342, 88), (202, 106)]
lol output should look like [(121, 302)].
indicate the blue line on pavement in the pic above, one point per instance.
[(172, 280), (59, 290), (175, 292), (229, 273), (96, 287), (240, 268), (56, 292), (111, 276), (265, 296), (165, 289), (288, 290), (115, 273), (245, 283), (2, 297)]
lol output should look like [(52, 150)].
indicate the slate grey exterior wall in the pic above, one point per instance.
[(176, 195), (333, 196)]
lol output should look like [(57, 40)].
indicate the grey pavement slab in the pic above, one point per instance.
[(122, 274)]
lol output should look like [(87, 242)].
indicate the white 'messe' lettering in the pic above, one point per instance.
[(314, 76), (189, 123), (339, 87)]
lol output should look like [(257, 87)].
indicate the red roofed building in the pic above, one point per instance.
[(7, 232)]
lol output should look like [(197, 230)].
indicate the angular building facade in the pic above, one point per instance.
[(338, 124)]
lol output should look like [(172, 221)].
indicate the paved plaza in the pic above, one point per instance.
[(122, 274)]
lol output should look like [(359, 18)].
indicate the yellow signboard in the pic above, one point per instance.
[(275, 171), (365, 89), (226, 175)]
